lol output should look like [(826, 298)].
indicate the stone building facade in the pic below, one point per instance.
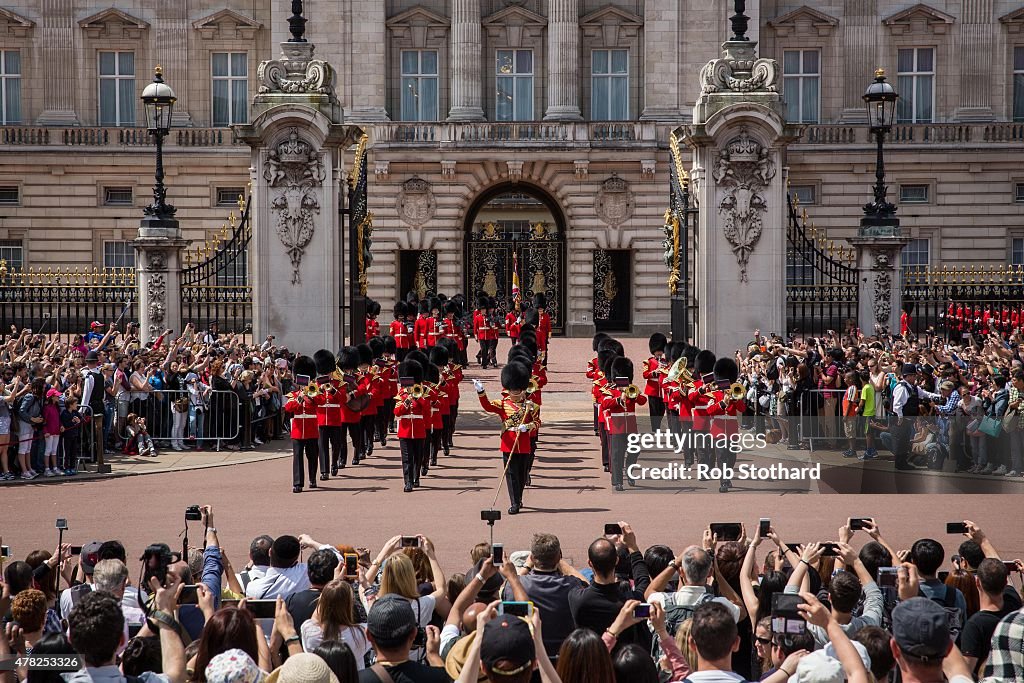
[(474, 107)]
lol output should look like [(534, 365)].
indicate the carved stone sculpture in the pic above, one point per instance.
[(881, 305), (296, 72), (614, 203), (295, 169), (416, 204), (743, 171), (156, 290)]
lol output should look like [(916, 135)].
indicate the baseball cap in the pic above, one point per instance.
[(233, 666), (818, 667), (94, 324), (391, 618), (90, 556), (908, 369), (507, 639), (921, 628)]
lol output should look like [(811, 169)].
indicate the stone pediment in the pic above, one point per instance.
[(804, 21), (113, 23), (514, 16), (418, 16), (919, 18), (226, 23), (1014, 21), (14, 24), (611, 13), (612, 24)]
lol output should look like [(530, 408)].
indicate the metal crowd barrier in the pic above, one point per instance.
[(219, 419)]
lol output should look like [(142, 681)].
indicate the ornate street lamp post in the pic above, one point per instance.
[(159, 100), (880, 215)]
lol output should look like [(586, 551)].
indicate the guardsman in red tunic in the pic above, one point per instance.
[(328, 413), (654, 371), (302, 405), (540, 302), (478, 323), (725, 409), (593, 371), (513, 321), (441, 356), (449, 328), (602, 389), (410, 409), (492, 330), (439, 408), (519, 416), (357, 397), (525, 353), (398, 330), (1014, 320), (960, 317), (699, 399), (372, 325), (370, 382), (620, 406), (434, 324), (422, 326), (383, 391)]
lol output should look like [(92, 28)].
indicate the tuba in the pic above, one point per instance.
[(679, 373)]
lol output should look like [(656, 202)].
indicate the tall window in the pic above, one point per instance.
[(514, 80), (10, 87), (799, 271), (915, 71), (1017, 251), (801, 81), (916, 257), (1018, 83), (419, 85), (609, 76), (230, 88), (13, 252), (117, 89), (235, 273), (119, 254)]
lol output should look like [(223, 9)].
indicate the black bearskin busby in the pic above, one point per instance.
[(604, 360), (521, 354), (438, 355), (515, 377), (348, 359), (726, 370), (418, 356), (376, 345), (451, 307), (657, 342), (434, 304), (432, 373), (531, 317), (481, 303), (365, 354), (324, 362), (304, 365), (622, 367), (540, 301), (704, 362), (424, 307), (598, 338), (411, 368), (613, 344), (389, 344), (400, 310)]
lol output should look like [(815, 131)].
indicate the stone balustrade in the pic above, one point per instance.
[(41, 136), (919, 133)]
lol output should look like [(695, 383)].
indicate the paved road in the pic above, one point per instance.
[(570, 498)]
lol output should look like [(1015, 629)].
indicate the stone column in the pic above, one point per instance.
[(369, 48), (466, 58), (661, 60), (58, 33), (879, 290), (158, 278), (860, 56), (977, 39), (563, 61)]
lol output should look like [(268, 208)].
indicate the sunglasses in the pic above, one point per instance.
[(764, 641)]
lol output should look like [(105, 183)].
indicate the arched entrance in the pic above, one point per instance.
[(522, 220)]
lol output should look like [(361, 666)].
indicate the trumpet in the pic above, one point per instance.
[(311, 391), (631, 392), (736, 391), (417, 391), (532, 387)]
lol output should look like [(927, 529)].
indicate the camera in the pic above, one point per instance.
[(351, 564), (887, 576), (859, 523), (956, 528), (498, 554), (786, 617), (410, 542), (156, 560), (189, 595), (490, 516), (612, 530), (76, 550), (62, 524), (262, 609), (642, 611), (763, 527), (727, 531), (5, 551), (516, 609), (192, 514)]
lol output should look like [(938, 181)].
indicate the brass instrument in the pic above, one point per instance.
[(631, 392), (417, 391), (736, 391), (311, 391), (680, 373), (532, 387)]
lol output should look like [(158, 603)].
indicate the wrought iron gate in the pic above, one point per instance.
[(540, 251), (680, 244), (821, 279), (612, 290), (417, 273), (215, 278)]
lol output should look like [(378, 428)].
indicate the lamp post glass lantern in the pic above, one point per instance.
[(159, 100), (880, 101)]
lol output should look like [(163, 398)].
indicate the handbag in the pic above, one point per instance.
[(1011, 421), (991, 426), (181, 405)]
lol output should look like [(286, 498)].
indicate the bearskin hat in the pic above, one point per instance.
[(540, 301), (672, 351), (372, 307), (400, 309), (365, 354), (622, 367), (726, 370), (433, 304), (522, 354), (530, 343), (657, 342), (613, 344), (424, 307), (481, 302), (449, 345), (438, 355), (410, 368), (527, 328), (598, 338), (908, 305), (376, 346), (389, 344), (704, 362), (432, 373), (604, 360), (418, 356), (531, 317), (690, 353), (492, 302), (451, 307), (324, 362), (348, 358), (515, 377), (304, 365)]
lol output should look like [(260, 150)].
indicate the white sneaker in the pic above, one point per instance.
[(26, 475), (1000, 471), (49, 472), (257, 442)]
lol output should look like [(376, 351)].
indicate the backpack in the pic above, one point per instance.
[(676, 614), (953, 615)]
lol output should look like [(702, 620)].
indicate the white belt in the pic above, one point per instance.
[(621, 414), (304, 416), (331, 405), (410, 417)]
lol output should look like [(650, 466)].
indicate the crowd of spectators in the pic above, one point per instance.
[(303, 611), (63, 401), (935, 402)]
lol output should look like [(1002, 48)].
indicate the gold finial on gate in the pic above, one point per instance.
[(3, 268), (188, 258), (231, 219), (49, 275), (804, 215), (972, 273), (241, 204)]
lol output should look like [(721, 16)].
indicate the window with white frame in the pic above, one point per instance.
[(806, 194), (117, 89), (10, 195), (419, 85), (1017, 251), (1018, 83), (117, 196), (914, 194), (916, 257), (801, 84), (10, 87), (514, 81), (915, 73), (235, 273), (609, 81), (799, 270), (230, 88), (13, 253), (1018, 193), (118, 254), (228, 196)]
